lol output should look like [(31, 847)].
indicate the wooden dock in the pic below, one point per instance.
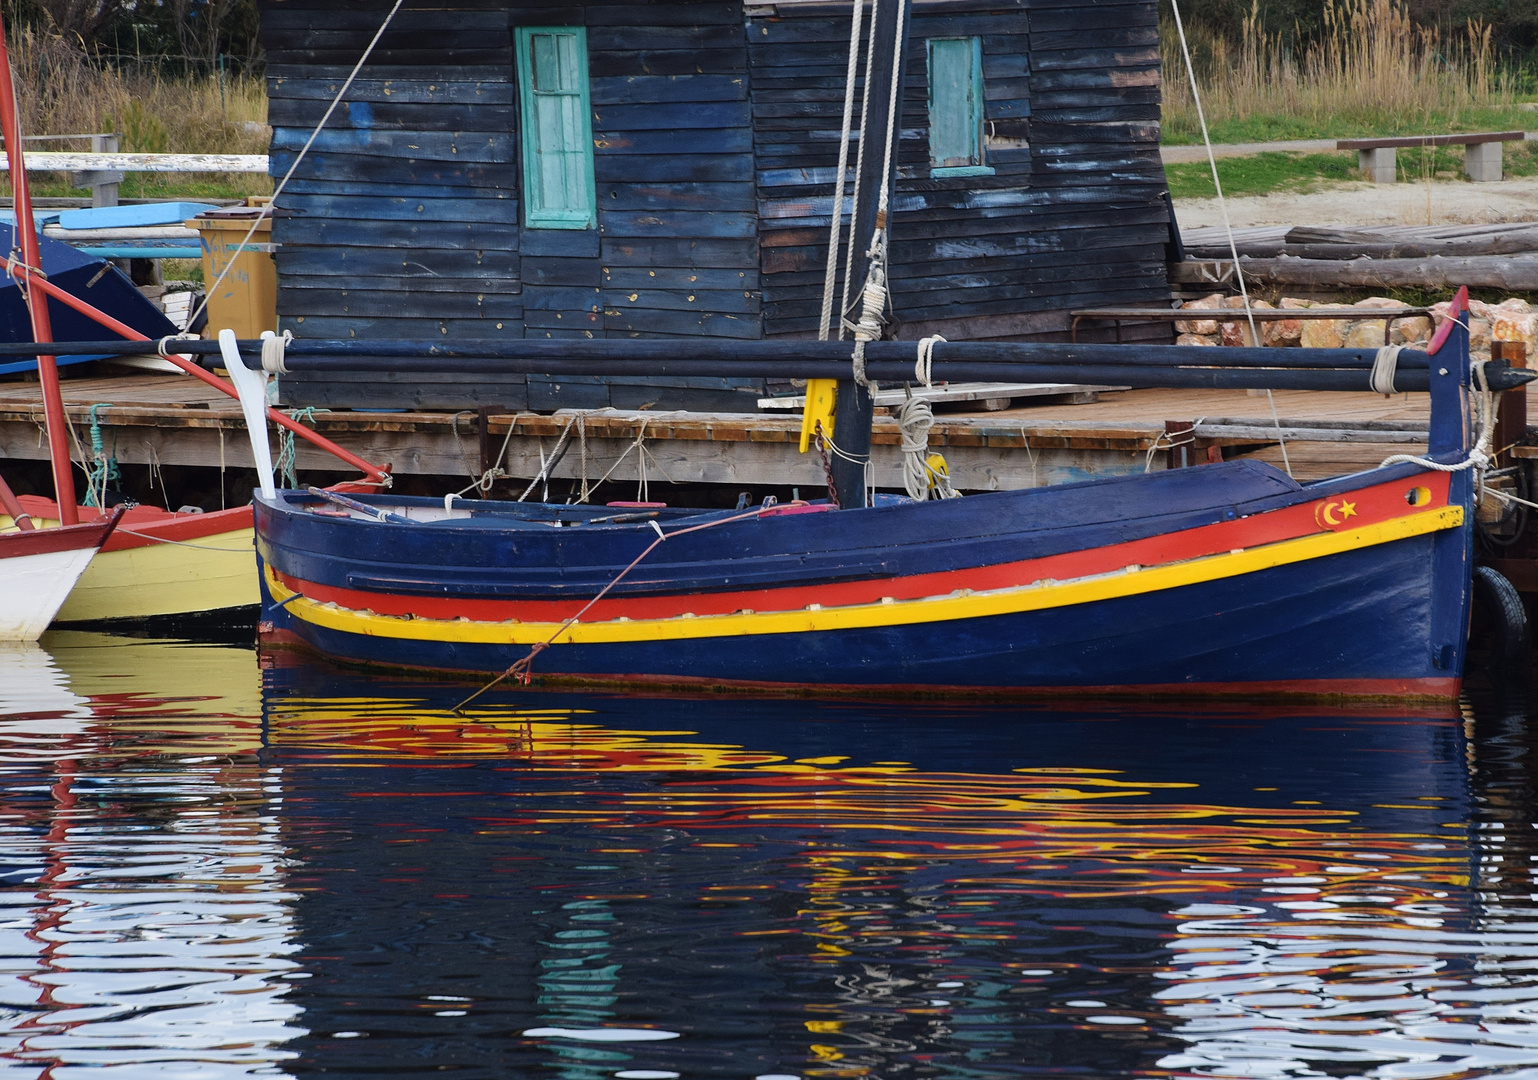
[(173, 420)]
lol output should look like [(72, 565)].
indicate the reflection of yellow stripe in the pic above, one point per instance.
[(1129, 581)]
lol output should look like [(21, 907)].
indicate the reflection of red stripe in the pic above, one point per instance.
[(1373, 504)]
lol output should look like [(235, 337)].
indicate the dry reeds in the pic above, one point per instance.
[(1371, 68), (63, 90)]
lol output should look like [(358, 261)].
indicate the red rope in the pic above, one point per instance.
[(523, 669)]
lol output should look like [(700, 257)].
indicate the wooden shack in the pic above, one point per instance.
[(504, 170)]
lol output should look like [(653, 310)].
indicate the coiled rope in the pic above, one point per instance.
[(920, 478)]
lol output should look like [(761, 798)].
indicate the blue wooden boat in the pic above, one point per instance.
[(1223, 579)]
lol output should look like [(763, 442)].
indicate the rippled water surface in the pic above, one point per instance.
[(215, 865)]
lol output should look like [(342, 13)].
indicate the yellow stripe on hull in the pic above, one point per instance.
[(167, 579), (1038, 596)]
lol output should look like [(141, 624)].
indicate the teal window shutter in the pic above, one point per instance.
[(557, 135), (956, 107)]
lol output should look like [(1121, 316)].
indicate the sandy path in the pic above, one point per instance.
[(1449, 203)]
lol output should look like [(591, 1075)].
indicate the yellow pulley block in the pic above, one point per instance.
[(937, 467), (820, 396)]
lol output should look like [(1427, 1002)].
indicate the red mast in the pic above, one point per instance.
[(42, 329)]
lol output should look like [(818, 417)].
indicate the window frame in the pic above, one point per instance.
[(536, 217), (981, 168)]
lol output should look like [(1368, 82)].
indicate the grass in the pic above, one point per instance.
[(63, 89), (1260, 174), (1371, 72), (1272, 171)]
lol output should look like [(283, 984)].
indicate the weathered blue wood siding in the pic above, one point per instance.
[(715, 136), (1072, 216)]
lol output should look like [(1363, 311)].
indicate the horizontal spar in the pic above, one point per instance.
[(747, 357), (747, 352), (891, 373)]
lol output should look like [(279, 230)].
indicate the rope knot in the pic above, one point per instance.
[(922, 368), (1384, 365), (273, 346)]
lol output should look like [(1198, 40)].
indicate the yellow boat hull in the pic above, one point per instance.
[(167, 579)]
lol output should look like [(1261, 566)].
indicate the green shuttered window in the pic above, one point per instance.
[(956, 107), (557, 138)]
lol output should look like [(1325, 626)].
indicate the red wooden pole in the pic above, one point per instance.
[(42, 330), (122, 329)]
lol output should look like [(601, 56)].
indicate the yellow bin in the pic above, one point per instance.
[(247, 299)]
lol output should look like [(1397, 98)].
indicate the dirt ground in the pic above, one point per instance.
[(1437, 203)]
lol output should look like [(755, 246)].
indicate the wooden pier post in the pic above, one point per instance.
[(1511, 416)]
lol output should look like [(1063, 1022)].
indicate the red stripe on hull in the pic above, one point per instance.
[(62, 538), (1381, 502)]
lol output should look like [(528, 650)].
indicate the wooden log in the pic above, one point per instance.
[(1518, 274)]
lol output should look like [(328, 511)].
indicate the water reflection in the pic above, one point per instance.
[(143, 923), (306, 870)]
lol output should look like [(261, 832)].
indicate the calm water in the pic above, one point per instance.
[(215, 868)]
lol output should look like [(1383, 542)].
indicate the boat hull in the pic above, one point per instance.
[(1289, 599), (37, 571)]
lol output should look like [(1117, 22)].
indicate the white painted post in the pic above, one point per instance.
[(252, 387), (102, 182), (1482, 162), (1378, 164)]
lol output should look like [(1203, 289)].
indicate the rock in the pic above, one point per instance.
[(1411, 330), (1236, 334), (1200, 326), (1380, 302), (1367, 334), (1194, 339), (1323, 334), (1479, 335), (1284, 334), (1514, 320)]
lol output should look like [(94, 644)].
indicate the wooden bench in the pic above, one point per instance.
[(1481, 153)]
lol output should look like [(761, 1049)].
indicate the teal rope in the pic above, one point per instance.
[(287, 453), (104, 469)]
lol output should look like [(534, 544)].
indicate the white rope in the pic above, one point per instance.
[(925, 363), (859, 168), (873, 295), (914, 420), (545, 465), (831, 275), (273, 346), (893, 101), (1480, 455), (340, 94), (1384, 366), (1228, 227)]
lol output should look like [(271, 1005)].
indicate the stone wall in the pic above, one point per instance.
[(1509, 320)]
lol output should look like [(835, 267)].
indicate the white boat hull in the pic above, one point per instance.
[(34, 587)]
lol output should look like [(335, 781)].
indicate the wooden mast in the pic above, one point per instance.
[(853, 410), (37, 305)]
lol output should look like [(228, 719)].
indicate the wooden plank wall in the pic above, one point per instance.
[(715, 138), (1073, 216), (405, 212)]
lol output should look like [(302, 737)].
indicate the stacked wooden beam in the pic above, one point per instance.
[(1498, 256)]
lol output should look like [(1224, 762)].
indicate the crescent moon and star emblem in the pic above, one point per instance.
[(1333, 514)]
